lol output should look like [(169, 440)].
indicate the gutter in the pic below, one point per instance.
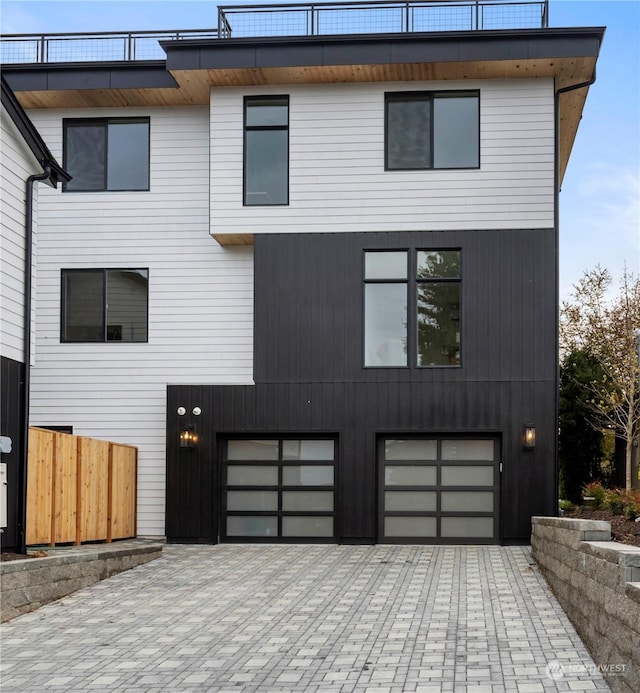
[(28, 276)]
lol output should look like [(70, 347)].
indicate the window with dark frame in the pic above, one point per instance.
[(432, 130), (428, 335), (104, 305), (266, 150), (106, 154)]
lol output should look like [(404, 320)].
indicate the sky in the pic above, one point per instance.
[(600, 198)]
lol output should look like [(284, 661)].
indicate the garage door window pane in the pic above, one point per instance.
[(307, 449), (410, 527), (307, 500), (295, 526), (252, 475), (467, 450), (399, 475), (252, 450), (477, 527), (249, 526), (410, 450), (467, 501), (410, 500), (252, 500), (307, 475), (467, 476)]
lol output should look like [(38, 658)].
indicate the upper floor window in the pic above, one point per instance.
[(104, 305), (427, 334), (106, 154), (266, 150), (427, 130)]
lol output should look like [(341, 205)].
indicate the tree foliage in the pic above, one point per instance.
[(580, 443), (603, 327)]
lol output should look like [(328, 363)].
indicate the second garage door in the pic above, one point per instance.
[(438, 490)]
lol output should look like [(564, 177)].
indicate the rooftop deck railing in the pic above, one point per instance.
[(287, 19), (380, 16), (82, 47)]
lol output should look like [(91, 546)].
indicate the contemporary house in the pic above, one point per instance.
[(307, 262)]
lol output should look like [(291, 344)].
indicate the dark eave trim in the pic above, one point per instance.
[(381, 49), (32, 137), (97, 75)]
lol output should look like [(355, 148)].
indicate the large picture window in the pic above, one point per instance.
[(266, 150), (432, 130), (106, 154), (429, 333), (105, 305)]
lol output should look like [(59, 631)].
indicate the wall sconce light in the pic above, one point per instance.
[(188, 437), (529, 437)]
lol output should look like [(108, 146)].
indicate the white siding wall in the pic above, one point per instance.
[(200, 297), (337, 177), (17, 163)]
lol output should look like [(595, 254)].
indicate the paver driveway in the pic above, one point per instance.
[(306, 618)]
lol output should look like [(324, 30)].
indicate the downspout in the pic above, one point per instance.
[(28, 276), (556, 223)]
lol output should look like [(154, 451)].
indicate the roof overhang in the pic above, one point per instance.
[(194, 67), (32, 138)]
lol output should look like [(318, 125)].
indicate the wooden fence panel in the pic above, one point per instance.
[(66, 489), (123, 491), (79, 489), (39, 486), (93, 489)]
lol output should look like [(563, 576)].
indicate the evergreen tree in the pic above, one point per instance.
[(580, 442)]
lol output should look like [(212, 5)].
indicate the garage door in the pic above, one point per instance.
[(438, 490), (280, 489)]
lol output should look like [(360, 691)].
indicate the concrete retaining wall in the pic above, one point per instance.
[(29, 583), (597, 582)]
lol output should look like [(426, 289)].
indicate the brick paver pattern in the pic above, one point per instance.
[(426, 619)]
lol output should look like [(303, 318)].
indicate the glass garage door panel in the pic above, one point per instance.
[(252, 526), (472, 527), (305, 526), (406, 475), (277, 488), (438, 489), (465, 475), (410, 500), (410, 527)]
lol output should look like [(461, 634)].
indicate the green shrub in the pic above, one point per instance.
[(596, 491), (565, 505), (631, 504), (613, 500)]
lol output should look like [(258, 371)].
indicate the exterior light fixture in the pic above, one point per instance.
[(188, 437), (529, 437)]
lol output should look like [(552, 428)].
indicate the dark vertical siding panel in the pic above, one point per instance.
[(11, 425)]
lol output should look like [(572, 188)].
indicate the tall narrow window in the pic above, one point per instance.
[(105, 305), (426, 130), (385, 308), (438, 307), (106, 154), (266, 150)]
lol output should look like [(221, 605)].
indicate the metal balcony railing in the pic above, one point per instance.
[(89, 47), (288, 19), (379, 16)]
